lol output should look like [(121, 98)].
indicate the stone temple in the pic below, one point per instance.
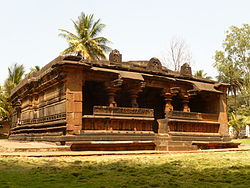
[(116, 105)]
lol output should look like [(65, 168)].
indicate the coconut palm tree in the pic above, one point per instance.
[(202, 74), (5, 107), (35, 69), (86, 40), (231, 73), (238, 122), (16, 73)]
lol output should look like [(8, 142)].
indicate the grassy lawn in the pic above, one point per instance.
[(227, 169), (243, 141)]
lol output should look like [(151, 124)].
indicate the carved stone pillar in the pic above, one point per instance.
[(112, 87), (168, 102), (135, 88), (111, 97), (18, 111), (133, 96), (185, 101)]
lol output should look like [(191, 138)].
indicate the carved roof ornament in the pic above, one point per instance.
[(154, 64), (115, 57), (186, 70), (175, 90)]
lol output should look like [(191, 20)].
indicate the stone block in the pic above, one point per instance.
[(69, 96), (74, 106), (77, 97)]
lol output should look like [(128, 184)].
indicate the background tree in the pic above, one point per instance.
[(233, 62), (177, 54), (238, 122), (35, 68), (5, 107), (16, 73), (202, 74), (86, 41)]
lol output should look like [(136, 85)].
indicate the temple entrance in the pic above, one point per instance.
[(123, 97), (177, 103), (204, 103), (152, 98), (94, 94)]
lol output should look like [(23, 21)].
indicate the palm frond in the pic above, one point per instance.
[(86, 38)]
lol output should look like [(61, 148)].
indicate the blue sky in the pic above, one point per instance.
[(139, 29)]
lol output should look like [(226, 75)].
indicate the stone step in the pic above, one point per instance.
[(110, 137), (112, 146), (176, 143), (215, 145), (195, 138), (115, 132), (59, 148), (176, 148)]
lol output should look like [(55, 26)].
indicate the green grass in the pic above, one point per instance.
[(242, 141), (224, 169)]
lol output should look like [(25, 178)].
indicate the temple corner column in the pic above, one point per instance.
[(74, 99), (223, 117)]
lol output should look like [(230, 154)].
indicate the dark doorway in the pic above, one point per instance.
[(152, 98), (204, 103), (123, 97), (177, 103), (94, 94)]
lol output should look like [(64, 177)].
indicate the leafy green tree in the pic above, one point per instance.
[(5, 107), (16, 73), (233, 62), (35, 68), (86, 41), (202, 74), (238, 122)]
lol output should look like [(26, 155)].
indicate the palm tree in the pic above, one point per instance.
[(16, 73), (202, 74), (86, 40), (35, 69), (5, 107), (231, 73), (238, 122)]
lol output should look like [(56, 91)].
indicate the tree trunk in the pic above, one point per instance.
[(235, 102)]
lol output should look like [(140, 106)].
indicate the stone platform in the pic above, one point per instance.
[(38, 149), (17, 146)]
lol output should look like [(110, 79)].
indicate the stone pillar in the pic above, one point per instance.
[(73, 86), (133, 96), (111, 96), (185, 101), (112, 87), (134, 88), (223, 119), (168, 102), (18, 111)]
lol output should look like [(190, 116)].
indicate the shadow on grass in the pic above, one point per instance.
[(120, 174)]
